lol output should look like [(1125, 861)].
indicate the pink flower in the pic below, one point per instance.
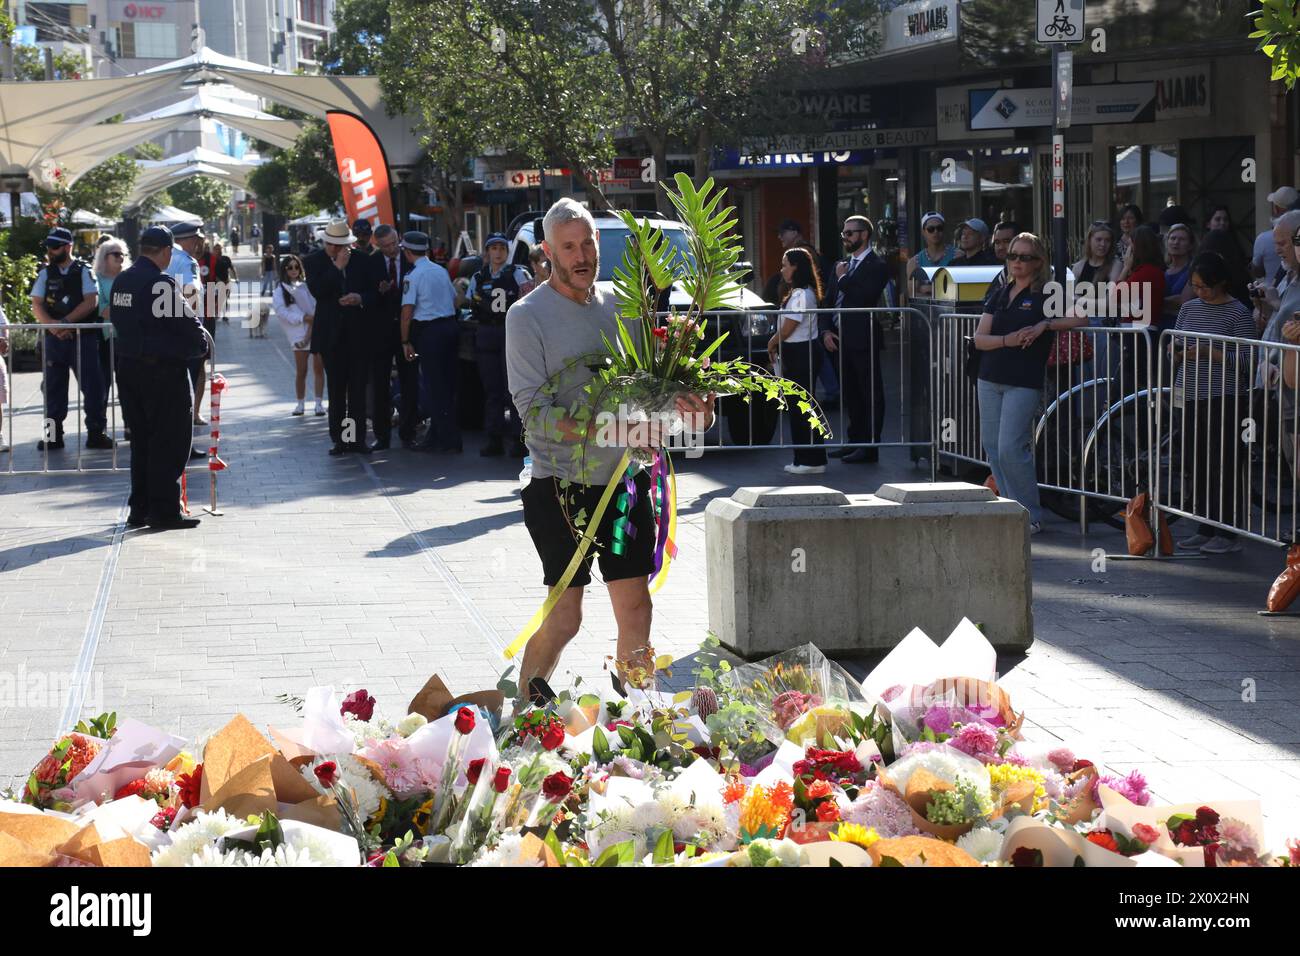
[(881, 810), (1146, 833), (976, 740), (1132, 788), (1062, 758), (401, 774), (1293, 851)]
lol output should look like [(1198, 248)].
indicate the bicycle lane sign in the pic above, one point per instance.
[(1060, 21)]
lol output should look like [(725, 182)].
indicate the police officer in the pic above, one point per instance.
[(158, 337), (430, 333), (392, 267), (65, 293), (491, 292)]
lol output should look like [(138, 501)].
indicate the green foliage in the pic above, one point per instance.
[(1277, 28), (356, 45), (102, 726), (204, 196), (17, 273)]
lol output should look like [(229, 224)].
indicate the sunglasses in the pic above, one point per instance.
[(851, 232), (1023, 257), (115, 255), (1295, 240), (934, 228)]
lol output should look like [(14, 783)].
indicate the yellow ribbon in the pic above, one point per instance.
[(670, 549), (588, 535)]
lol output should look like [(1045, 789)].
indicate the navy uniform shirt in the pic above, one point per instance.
[(1020, 367), (150, 317)]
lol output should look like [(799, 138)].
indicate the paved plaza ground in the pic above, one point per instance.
[(378, 573)]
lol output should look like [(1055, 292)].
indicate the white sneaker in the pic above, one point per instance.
[(320, 409), (1035, 527), (298, 409), (1195, 542), (806, 469), (1219, 545)]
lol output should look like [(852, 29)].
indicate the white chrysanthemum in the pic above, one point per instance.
[(410, 724), (983, 843), (505, 853), (204, 830), (356, 775), (211, 856)]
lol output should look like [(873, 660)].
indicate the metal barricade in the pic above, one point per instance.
[(1229, 431), (1092, 435), (885, 418), (108, 378)]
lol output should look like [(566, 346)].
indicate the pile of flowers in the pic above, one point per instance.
[(787, 762)]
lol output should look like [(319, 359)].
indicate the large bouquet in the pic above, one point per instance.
[(655, 361)]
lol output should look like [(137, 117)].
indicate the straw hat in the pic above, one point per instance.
[(337, 233)]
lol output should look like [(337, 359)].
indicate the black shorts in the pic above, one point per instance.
[(555, 539)]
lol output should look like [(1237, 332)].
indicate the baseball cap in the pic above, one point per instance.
[(157, 237), (979, 225), (362, 227), (932, 216), (183, 230), (415, 240), (58, 237), (495, 237), (789, 224), (1284, 196)]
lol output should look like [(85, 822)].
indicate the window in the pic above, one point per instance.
[(952, 184), (306, 49), (1006, 185), (1146, 176), (155, 41), (313, 11)]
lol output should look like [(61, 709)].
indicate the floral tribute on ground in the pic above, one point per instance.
[(786, 762)]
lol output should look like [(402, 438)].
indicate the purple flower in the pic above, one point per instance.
[(940, 718), (881, 809)]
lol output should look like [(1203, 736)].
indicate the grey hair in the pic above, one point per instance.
[(565, 210), (107, 246), (1290, 221), (383, 231)]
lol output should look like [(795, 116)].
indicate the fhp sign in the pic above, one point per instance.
[(1058, 177), (1060, 21)]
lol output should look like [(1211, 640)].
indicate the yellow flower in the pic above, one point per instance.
[(183, 762), (855, 833), (1002, 776)]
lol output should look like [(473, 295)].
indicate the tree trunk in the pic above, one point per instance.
[(659, 150), (598, 201), (703, 154), (457, 194)]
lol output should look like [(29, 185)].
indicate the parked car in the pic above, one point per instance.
[(748, 330), (282, 244)]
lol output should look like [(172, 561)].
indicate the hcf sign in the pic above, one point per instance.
[(137, 11)]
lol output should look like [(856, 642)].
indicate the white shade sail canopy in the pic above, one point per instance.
[(172, 214), (81, 151)]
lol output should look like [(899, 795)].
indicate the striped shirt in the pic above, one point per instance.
[(1205, 376)]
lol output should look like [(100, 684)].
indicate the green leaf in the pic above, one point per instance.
[(600, 746), (889, 861), (663, 852), (390, 859), (620, 854), (553, 842)]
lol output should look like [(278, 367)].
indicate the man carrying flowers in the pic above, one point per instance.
[(553, 338)]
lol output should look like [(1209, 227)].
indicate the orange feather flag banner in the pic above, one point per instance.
[(363, 168)]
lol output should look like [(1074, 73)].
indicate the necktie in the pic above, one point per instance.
[(853, 264), (392, 271)]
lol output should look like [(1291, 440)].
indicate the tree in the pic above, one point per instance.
[(357, 43), (516, 74), (204, 196), (276, 188), (701, 72), (1277, 27)]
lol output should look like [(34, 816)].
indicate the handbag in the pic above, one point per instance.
[(972, 358), (1070, 348)]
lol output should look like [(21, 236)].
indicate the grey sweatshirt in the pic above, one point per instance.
[(550, 341)]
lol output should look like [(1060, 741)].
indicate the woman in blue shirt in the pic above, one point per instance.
[(1014, 338)]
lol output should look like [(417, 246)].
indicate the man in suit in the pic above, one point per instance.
[(860, 280), (392, 268), (347, 294)]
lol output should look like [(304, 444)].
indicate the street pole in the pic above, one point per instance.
[(1061, 81)]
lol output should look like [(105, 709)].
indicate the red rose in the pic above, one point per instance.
[(661, 333), (465, 720), (1186, 834), (1205, 817), (359, 704), (557, 787), (828, 811), (1211, 853), (327, 773), (819, 789), (1027, 856), (1104, 839), (190, 785), (553, 736), (475, 770), (164, 817), (1081, 764), (134, 788), (501, 782)]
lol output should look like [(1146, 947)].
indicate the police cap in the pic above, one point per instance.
[(58, 237), (184, 230), (495, 237), (416, 241), (157, 237)]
